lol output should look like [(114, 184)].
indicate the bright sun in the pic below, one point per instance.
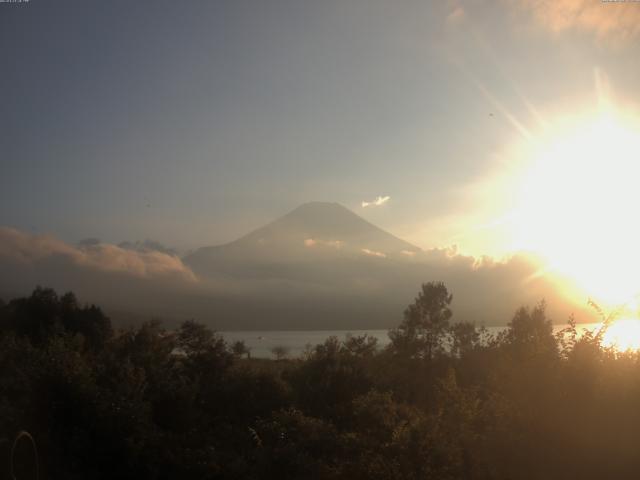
[(577, 204), (623, 335)]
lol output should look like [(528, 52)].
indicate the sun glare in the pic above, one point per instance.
[(577, 202), (623, 335)]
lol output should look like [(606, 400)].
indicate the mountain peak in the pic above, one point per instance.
[(314, 211), (317, 205), (318, 213), (330, 222), (312, 230)]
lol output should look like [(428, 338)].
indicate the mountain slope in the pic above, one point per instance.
[(328, 223), (313, 233)]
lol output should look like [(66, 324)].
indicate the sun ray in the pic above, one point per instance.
[(576, 195), (497, 66), (493, 100)]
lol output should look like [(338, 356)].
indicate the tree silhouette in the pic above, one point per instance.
[(463, 338), (530, 332), (239, 348), (442, 402), (280, 352), (426, 320)]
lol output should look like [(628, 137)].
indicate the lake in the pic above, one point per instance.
[(261, 342)]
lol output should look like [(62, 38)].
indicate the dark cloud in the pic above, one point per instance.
[(89, 242), (148, 246)]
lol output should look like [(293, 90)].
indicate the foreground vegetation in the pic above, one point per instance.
[(444, 400)]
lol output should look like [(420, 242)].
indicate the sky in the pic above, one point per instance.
[(194, 122)]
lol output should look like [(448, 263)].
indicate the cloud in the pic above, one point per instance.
[(373, 253), (310, 242), (87, 242), (28, 250), (377, 202), (344, 291), (611, 21), (148, 246)]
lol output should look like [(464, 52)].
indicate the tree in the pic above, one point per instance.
[(280, 352), (90, 321), (44, 315), (239, 348), (329, 379), (464, 337), (530, 332), (195, 338), (423, 330), (361, 346), (37, 317)]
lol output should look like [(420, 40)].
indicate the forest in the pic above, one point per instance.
[(444, 400)]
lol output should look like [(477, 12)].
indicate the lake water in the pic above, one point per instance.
[(261, 342)]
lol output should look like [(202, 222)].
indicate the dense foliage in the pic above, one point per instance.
[(443, 401)]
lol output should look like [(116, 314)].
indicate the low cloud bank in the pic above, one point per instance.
[(27, 250), (364, 290)]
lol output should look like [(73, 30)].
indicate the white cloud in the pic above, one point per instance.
[(311, 242), (377, 202), (373, 253)]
